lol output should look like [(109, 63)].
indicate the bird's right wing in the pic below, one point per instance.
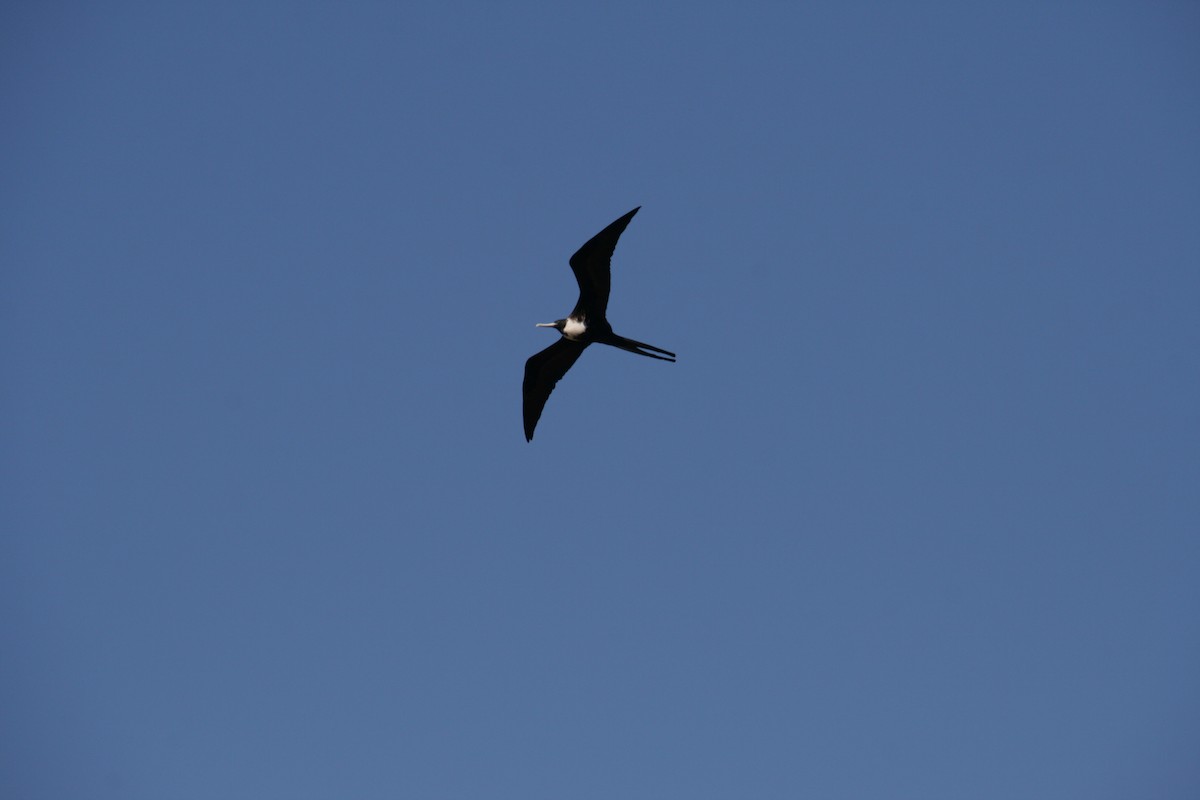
[(542, 371)]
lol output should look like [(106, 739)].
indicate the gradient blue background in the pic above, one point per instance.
[(914, 516)]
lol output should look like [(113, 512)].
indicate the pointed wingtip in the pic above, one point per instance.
[(628, 216)]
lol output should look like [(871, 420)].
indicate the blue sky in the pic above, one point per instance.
[(914, 515)]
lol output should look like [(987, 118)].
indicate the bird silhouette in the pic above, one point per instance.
[(586, 324)]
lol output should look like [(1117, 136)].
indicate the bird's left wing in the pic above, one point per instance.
[(542, 371), (591, 267)]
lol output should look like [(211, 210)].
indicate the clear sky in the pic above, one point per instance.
[(915, 515)]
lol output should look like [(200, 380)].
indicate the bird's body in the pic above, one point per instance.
[(574, 329), (587, 323)]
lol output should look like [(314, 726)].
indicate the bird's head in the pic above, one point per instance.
[(558, 323)]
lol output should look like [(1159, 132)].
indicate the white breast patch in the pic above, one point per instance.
[(574, 328)]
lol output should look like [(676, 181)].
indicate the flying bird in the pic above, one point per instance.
[(586, 324)]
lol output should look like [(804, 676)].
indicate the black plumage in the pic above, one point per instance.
[(587, 324)]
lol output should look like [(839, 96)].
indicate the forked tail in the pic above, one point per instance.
[(638, 347)]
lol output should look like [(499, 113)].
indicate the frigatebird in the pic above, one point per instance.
[(586, 324)]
